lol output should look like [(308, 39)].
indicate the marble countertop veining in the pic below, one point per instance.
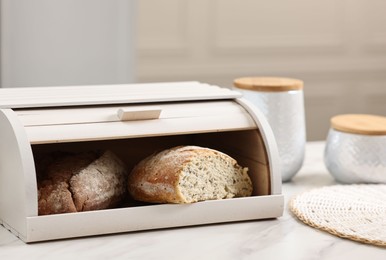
[(282, 238)]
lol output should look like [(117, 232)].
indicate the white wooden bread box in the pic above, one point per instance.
[(134, 121)]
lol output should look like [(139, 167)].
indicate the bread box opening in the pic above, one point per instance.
[(245, 146)]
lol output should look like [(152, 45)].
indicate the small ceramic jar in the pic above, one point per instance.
[(356, 148), (281, 101)]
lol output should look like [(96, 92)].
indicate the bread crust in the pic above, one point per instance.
[(81, 182), (156, 178)]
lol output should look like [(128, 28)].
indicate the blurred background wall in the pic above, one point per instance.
[(66, 42), (337, 47)]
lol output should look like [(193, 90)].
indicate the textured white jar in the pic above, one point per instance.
[(281, 100), (356, 149)]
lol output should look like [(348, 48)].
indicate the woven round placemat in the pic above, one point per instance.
[(356, 212)]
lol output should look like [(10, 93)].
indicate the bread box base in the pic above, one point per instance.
[(220, 121), (151, 217)]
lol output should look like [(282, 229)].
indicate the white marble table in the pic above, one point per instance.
[(282, 238)]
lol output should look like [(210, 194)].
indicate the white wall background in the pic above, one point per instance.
[(337, 47), (66, 42)]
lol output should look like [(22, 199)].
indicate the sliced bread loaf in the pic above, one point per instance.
[(187, 174)]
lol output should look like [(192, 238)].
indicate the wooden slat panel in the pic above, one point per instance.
[(120, 130), (109, 113), (111, 94)]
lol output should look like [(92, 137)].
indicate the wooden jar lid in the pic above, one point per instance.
[(268, 84), (359, 124)]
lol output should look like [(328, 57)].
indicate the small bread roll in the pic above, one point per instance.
[(187, 174), (81, 182)]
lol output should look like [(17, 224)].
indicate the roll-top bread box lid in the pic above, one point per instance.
[(133, 121)]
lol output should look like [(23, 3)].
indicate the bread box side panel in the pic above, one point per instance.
[(270, 144), (18, 193)]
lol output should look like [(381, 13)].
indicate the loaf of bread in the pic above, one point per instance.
[(80, 182), (187, 174)]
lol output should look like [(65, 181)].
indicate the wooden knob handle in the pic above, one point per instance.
[(139, 113)]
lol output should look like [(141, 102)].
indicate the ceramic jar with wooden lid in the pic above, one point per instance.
[(281, 101), (356, 148)]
